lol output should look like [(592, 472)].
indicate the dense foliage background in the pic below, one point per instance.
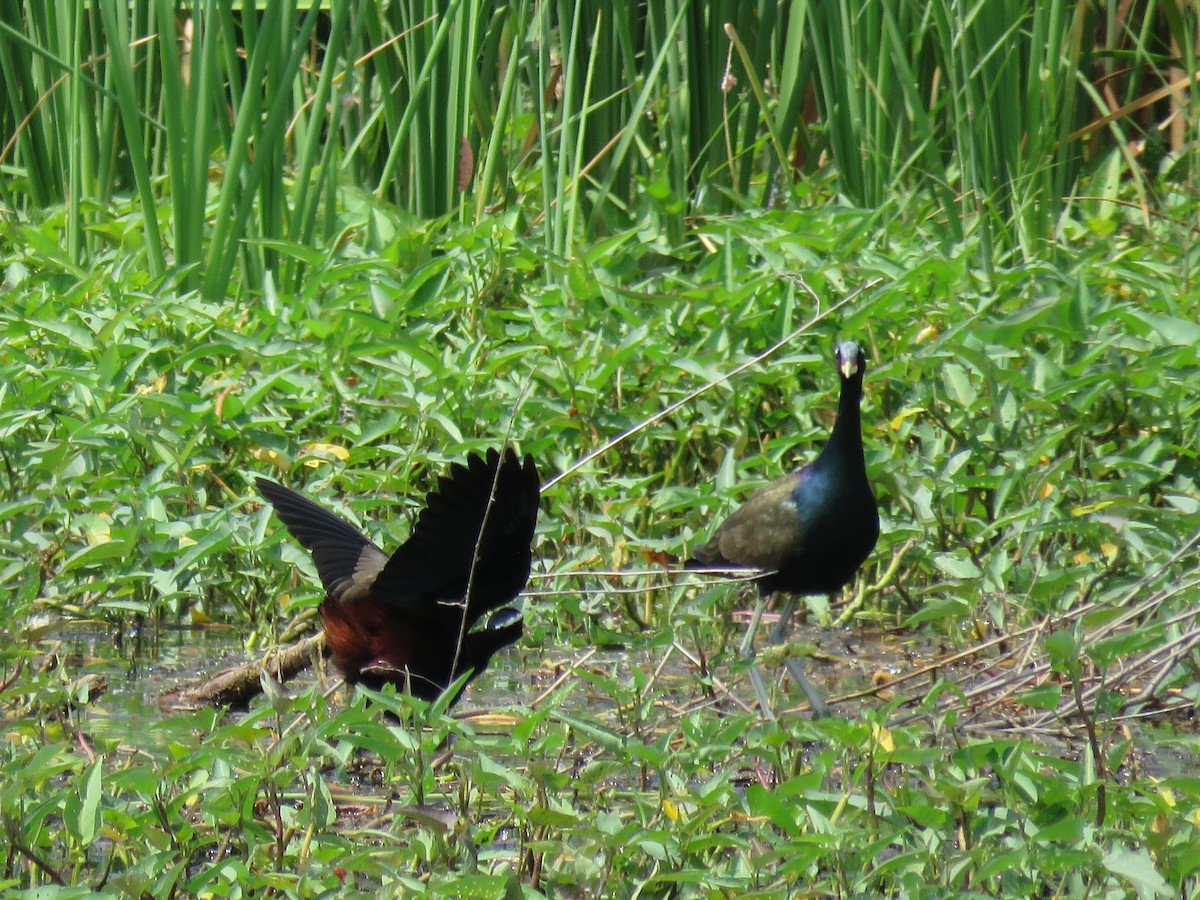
[(344, 244)]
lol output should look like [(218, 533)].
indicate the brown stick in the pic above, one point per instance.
[(239, 685)]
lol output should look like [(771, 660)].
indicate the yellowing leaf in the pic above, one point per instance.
[(155, 386), (332, 449), (905, 414), (1090, 508), (199, 618), (671, 810), (883, 738), (265, 454), (219, 406), (1110, 551), (1045, 490), (1083, 557), (494, 720), (927, 333)]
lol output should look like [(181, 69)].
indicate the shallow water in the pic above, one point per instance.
[(136, 666), (139, 667)]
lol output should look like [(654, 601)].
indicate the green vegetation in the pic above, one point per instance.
[(271, 265)]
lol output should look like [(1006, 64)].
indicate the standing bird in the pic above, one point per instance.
[(406, 620), (808, 532)]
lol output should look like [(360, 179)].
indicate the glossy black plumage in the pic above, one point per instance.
[(807, 532), (407, 620)]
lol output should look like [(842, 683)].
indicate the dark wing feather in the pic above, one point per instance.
[(765, 532), (347, 561), (481, 645), (467, 534)]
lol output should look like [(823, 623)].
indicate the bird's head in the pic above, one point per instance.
[(850, 359)]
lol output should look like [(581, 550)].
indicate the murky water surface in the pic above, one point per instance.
[(139, 667)]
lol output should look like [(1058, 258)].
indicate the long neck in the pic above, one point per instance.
[(844, 446)]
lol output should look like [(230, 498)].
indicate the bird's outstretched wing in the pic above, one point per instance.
[(347, 561), (477, 527)]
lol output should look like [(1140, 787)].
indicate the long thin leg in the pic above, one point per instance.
[(816, 700), (747, 647), (795, 667), (760, 691), (747, 652), (820, 709), (785, 619)]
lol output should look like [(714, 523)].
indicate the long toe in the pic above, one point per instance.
[(820, 709)]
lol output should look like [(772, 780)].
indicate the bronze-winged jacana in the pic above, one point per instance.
[(809, 531), (407, 619)]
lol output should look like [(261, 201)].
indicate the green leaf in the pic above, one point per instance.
[(1137, 867), (1176, 331), (90, 794), (956, 566), (958, 385), (1044, 697)]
